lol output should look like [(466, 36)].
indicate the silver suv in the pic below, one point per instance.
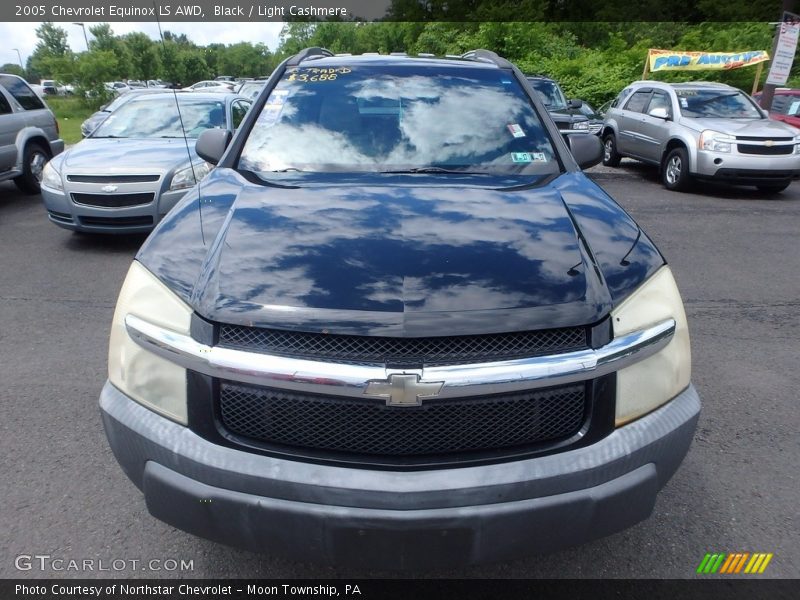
[(701, 131), (28, 134)]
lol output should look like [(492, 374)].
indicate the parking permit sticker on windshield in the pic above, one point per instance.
[(684, 103), (516, 130), (277, 97), (270, 114), (527, 157)]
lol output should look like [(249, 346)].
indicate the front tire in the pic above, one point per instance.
[(611, 157), (773, 188), (33, 161), (675, 170)]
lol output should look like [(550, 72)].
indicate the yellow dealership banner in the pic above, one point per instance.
[(676, 60)]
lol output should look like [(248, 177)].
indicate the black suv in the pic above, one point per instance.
[(398, 327), (556, 103)]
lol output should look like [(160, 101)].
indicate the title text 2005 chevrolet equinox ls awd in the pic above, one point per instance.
[(397, 327)]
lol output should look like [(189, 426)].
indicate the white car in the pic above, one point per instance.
[(210, 86), (118, 87)]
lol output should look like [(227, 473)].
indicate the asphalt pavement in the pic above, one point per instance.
[(735, 255)]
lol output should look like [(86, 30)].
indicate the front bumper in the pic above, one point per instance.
[(747, 169), (398, 520), (65, 213)]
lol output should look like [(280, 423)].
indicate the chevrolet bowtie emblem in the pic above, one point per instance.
[(403, 389), (109, 189), (769, 143)]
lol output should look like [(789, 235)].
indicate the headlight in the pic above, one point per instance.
[(185, 178), (715, 141), (797, 144), (52, 178), (648, 384), (154, 382), (581, 125)]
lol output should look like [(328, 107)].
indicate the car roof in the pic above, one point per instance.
[(218, 96), (394, 59), (686, 85)]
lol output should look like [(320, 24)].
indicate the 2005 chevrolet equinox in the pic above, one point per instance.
[(397, 327)]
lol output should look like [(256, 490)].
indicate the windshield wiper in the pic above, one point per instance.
[(432, 170), (286, 170)]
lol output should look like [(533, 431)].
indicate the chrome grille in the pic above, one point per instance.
[(428, 351)]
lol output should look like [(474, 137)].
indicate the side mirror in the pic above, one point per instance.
[(586, 149), (574, 103), (659, 113), (212, 143)]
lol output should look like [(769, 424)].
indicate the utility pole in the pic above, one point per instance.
[(768, 93), (85, 37)]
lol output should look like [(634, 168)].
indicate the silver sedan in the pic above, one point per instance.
[(137, 164)]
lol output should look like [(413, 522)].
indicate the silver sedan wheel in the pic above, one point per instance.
[(673, 171), (36, 165)]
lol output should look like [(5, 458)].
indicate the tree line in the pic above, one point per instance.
[(591, 60)]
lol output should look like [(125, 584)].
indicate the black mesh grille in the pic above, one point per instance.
[(113, 178), (371, 428), (765, 150), (430, 351), (113, 200)]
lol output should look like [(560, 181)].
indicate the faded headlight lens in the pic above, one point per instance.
[(715, 141), (797, 144), (646, 385), (150, 380), (581, 125), (52, 178), (188, 176)]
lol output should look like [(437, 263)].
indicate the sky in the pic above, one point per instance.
[(23, 35)]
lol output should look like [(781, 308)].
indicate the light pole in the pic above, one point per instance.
[(85, 37), (19, 56)]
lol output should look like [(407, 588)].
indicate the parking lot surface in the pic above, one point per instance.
[(735, 255)]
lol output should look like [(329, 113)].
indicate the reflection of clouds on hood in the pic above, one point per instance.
[(421, 250), (306, 247)]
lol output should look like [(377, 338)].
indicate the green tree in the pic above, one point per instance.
[(92, 69), (12, 68), (105, 41), (145, 59), (52, 52)]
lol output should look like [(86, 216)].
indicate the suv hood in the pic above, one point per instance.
[(401, 259), (749, 127)]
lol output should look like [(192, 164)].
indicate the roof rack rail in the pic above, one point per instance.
[(486, 56), (313, 52)]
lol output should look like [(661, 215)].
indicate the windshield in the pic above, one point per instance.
[(722, 103), (398, 118), (157, 117), (550, 93)]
